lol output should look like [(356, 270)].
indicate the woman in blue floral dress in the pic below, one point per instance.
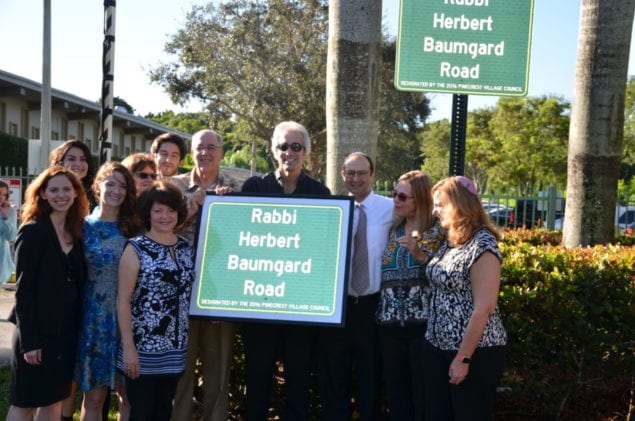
[(105, 233)]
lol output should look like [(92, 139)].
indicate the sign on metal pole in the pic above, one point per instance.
[(464, 46)]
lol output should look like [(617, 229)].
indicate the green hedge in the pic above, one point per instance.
[(13, 151), (570, 317)]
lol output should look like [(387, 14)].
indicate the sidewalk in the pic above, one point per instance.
[(7, 293)]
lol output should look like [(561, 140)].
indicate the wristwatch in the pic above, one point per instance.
[(463, 358)]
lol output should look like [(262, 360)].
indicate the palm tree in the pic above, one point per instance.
[(352, 82), (597, 121)]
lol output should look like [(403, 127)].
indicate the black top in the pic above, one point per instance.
[(270, 183), (49, 284)]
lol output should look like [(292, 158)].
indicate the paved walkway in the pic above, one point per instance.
[(7, 293)]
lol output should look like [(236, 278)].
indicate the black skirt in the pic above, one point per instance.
[(35, 386)]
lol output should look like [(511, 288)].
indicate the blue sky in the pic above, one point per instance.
[(142, 28)]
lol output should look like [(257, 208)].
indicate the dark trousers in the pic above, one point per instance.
[(263, 344), (343, 351), (151, 397), (473, 398), (402, 360)]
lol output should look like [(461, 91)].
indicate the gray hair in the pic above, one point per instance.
[(286, 126)]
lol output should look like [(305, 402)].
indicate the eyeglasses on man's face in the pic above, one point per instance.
[(295, 147), (352, 174), (402, 197), (145, 175)]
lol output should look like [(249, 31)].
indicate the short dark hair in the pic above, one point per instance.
[(169, 138), (164, 193)]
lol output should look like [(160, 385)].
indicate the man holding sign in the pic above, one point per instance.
[(208, 341), (291, 146)]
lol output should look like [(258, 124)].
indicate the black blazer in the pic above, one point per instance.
[(44, 290)]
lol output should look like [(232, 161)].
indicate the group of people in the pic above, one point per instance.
[(103, 298)]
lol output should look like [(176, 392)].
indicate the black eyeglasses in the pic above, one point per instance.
[(402, 197), (295, 147), (143, 175)]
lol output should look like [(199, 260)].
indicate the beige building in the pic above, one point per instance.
[(71, 117)]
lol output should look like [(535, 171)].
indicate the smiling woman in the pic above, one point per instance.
[(50, 270)]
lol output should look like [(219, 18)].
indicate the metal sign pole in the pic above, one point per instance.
[(107, 84), (458, 134)]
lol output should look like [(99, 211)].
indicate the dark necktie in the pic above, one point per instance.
[(359, 281)]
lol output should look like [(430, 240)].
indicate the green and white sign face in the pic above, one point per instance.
[(464, 46), (272, 258)]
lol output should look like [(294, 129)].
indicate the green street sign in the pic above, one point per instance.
[(278, 259), (464, 46)]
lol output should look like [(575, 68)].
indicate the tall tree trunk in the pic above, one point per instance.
[(597, 121), (352, 83)]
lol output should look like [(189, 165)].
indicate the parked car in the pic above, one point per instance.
[(624, 220), (501, 217)]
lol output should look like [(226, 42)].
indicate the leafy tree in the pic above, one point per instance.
[(435, 149), (628, 153), (120, 102), (185, 122), (530, 143), (257, 63), (254, 62), (401, 119)]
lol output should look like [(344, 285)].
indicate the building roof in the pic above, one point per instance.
[(77, 108)]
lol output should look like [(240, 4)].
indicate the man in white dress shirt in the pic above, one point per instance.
[(352, 351)]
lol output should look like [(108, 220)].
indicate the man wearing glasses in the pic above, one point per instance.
[(355, 348), (290, 145), (209, 341)]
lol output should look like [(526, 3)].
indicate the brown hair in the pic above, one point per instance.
[(467, 215), (35, 207), (128, 220), (138, 161), (169, 138), (165, 193), (421, 190)]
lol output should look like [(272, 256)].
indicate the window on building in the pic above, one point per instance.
[(35, 133), (24, 123), (3, 116), (55, 135), (80, 131), (64, 124), (13, 129), (115, 150)]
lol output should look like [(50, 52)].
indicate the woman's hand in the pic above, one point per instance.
[(458, 371), (131, 362), (4, 210), (33, 357)]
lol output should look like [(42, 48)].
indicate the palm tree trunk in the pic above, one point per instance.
[(597, 121)]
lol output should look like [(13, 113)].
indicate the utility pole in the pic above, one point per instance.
[(107, 82), (45, 102)]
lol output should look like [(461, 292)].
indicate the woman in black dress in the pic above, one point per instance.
[(50, 270)]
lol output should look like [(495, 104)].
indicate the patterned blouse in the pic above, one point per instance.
[(452, 304), (404, 291), (160, 305)]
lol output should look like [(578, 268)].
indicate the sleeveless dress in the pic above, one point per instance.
[(160, 306), (97, 345)]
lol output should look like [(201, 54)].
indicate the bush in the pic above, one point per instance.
[(13, 151), (569, 315)]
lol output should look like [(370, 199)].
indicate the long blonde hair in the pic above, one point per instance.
[(467, 215)]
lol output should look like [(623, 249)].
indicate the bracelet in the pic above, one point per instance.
[(463, 358)]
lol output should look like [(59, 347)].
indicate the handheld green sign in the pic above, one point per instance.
[(272, 258)]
